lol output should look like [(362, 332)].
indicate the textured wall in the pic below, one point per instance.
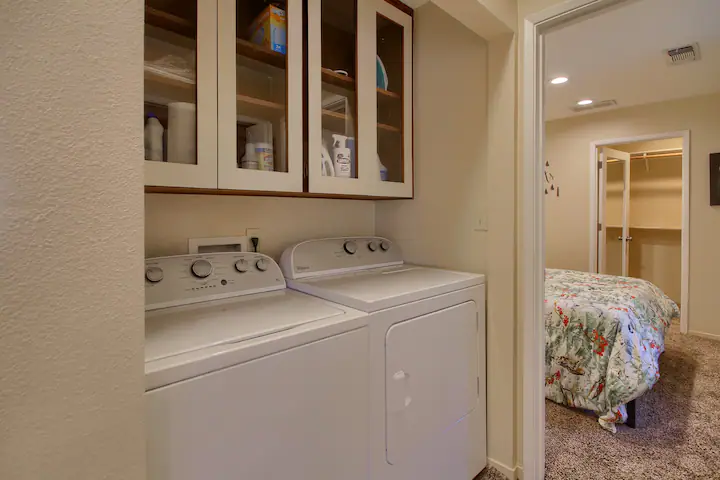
[(71, 293), (171, 219)]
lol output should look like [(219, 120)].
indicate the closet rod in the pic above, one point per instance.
[(654, 155), (659, 150), (648, 155)]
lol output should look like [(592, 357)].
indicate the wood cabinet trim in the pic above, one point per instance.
[(259, 193), (401, 6)]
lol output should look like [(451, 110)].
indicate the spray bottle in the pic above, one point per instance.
[(342, 157)]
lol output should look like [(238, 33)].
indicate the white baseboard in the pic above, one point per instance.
[(711, 336), (510, 473)]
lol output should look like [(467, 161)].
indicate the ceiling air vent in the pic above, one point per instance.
[(594, 106), (680, 55)]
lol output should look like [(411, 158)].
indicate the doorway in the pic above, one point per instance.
[(531, 246), (640, 211)]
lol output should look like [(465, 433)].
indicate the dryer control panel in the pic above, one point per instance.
[(338, 255), (185, 279)]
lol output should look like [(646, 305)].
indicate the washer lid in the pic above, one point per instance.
[(381, 288), (177, 330)]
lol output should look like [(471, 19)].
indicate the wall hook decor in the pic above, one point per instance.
[(550, 181)]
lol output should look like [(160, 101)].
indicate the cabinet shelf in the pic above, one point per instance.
[(259, 108), (337, 122), (168, 21), (343, 81), (261, 54), (169, 80), (173, 23)]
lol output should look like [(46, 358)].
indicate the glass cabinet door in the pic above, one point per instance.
[(180, 98), (333, 142), (260, 99), (393, 92), (359, 98)]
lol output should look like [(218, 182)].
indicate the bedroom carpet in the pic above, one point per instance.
[(678, 433), (490, 474)]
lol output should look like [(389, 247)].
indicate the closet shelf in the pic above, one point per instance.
[(669, 229)]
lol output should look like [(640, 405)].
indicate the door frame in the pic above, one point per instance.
[(531, 222), (685, 235)]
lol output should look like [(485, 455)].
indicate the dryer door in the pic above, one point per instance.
[(431, 377)]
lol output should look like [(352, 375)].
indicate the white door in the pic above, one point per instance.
[(613, 212), (432, 379), (302, 413), (260, 95), (180, 99), (359, 98)]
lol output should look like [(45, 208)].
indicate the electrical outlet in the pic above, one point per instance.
[(250, 233)]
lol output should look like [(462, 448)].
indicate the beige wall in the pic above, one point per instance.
[(171, 219), (71, 292), (656, 255), (458, 219), (438, 227), (567, 145)]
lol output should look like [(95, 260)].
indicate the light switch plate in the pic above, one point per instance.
[(481, 224)]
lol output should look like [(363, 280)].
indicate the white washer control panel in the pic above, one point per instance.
[(338, 255), (185, 279)]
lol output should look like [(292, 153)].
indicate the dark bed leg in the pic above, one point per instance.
[(631, 414)]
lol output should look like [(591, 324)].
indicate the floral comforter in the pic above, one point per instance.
[(603, 340)]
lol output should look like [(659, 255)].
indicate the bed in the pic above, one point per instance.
[(603, 339)]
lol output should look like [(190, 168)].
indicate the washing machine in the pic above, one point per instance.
[(247, 379), (427, 353)]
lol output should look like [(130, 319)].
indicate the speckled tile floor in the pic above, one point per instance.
[(678, 434)]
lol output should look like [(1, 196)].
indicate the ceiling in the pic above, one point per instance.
[(618, 55)]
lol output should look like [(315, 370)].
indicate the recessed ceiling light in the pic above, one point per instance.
[(559, 80), (582, 103)]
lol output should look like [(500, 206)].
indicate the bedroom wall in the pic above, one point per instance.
[(171, 219), (567, 146)]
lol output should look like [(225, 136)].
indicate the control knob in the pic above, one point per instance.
[(241, 266), (385, 245), (350, 247), (154, 274), (201, 268), (373, 246), (261, 265)]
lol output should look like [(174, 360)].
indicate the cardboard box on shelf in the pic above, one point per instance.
[(269, 29)]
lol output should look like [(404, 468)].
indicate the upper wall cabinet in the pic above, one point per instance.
[(260, 95), (180, 112), (252, 96), (359, 98)]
